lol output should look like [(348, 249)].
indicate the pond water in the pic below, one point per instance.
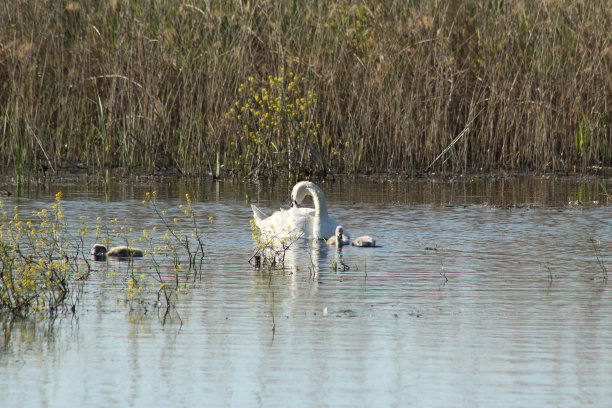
[(483, 293)]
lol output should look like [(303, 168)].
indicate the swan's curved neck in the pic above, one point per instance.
[(319, 201)]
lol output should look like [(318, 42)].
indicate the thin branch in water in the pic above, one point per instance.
[(599, 259)]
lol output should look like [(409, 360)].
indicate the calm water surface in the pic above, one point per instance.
[(482, 294)]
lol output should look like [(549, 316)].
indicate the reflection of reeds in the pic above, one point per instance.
[(148, 84), (605, 191)]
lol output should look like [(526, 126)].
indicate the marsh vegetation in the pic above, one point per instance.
[(255, 88), (46, 259)]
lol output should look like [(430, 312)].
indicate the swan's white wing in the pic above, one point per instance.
[(258, 214), (292, 223)]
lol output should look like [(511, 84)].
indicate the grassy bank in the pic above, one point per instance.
[(348, 86)]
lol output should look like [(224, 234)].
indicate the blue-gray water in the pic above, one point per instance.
[(482, 294)]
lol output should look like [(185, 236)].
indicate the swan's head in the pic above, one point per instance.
[(303, 189)]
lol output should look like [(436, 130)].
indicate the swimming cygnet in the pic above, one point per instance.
[(99, 252), (339, 239), (364, 241)]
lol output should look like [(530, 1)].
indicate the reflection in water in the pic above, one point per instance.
[(483, 293)]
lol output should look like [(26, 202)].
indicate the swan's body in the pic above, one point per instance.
[(364, 241), (338, 240), (99, 252), (299, 222), (290, 223)]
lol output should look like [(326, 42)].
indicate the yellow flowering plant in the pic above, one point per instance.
[(41, 264), (275, 125)]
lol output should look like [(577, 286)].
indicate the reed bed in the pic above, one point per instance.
[(345, 86)]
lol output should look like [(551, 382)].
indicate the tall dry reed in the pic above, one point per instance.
[(151, 84)]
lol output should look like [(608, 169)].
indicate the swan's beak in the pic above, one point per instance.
[(294, 204)]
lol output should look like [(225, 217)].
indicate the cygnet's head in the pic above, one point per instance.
[(339, 231), (98, 250)]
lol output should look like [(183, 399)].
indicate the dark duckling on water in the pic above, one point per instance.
[(99, 252)]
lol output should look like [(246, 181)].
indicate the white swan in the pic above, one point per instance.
[(364, 241), (298, 221), (338, 240), (99, 252)]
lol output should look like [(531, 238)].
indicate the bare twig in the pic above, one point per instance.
[(465, 130)]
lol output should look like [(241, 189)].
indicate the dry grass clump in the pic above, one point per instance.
[(382, 86)]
